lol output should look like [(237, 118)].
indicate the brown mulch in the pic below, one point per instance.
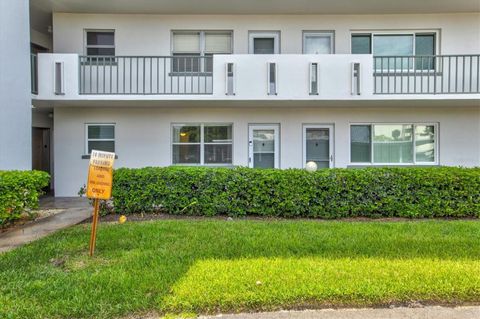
[(137, 217)]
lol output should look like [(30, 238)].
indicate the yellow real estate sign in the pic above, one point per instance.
[(100, 175)]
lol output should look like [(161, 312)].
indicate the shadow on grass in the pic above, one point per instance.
[(139, 265)]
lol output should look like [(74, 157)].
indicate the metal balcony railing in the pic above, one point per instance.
[(145, 75), (34, 73), (430, 74)]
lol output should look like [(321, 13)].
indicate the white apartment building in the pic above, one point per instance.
[(273, 83)]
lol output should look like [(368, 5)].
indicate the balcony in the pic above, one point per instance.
[(245, 77), (145, 75), (432, 74)]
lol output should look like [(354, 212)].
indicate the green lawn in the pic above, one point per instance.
[(211, 265)]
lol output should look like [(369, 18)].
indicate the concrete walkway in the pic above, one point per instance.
[(433, 312), (76, 210)]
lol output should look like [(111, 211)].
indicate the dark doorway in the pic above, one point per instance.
[(41, 149)]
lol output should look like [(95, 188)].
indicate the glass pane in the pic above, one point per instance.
[(424, 45), (218, 42), (218, 134), (318, 144), (186, 134), (360, 147), (218, 154), (100, 38), (107, 146), (398, 44), (101, 51), (186, 154), (264, 148), (273, 78), (384, 45), (264, 45), (263, 141), (322, 164), (318, 44), (361, 44), (393, 144), (425, 143), (186, 42), (230, 79), (313, 78), (264, 160), (101, 132)]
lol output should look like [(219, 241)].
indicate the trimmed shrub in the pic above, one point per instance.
[(329, 193), (19, 192)]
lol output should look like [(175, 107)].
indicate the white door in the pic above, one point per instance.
[(264, 42), (263, 146), (318, 145)]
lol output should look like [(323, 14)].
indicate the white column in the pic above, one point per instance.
[(15, 96)]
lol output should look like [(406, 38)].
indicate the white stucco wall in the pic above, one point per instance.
[(143, 135), (150, 34), (15, 96)]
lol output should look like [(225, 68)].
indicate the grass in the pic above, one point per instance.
[(207, 266)]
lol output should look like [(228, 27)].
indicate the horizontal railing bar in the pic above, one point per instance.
[(145, 56), (424, 56)]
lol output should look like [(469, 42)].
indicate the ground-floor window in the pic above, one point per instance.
[(202, 144), (393, 143), (100, 137)]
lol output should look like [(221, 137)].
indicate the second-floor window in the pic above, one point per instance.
[(100, 42), (317, 42), (402, 45), (193, 50), (383, 44)]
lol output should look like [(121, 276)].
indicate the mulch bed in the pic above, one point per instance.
[(137, 217)]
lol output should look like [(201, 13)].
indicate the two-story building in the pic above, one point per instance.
[(264, 84)]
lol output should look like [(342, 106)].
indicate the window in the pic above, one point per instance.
[(100, 137), (317, 42), (193, 50), (264, 42), (383, 44), (361, 44), (393, 143), (397, 44), (100, 42), (202, 144)]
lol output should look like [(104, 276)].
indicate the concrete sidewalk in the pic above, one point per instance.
[(76, 210), (431, 312)]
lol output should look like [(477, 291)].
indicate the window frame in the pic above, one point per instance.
[(202, 143), (202, 49), (436, 126), (87, 139), (331, 34), (413, 33), (331, 129), (87, 46), (275, 34)]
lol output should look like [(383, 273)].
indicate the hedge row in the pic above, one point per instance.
[(331, 193), (19, 192)]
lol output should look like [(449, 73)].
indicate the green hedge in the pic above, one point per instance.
[(330, 193), (19, 192)]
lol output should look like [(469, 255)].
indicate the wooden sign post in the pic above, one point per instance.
[(99, 186)]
